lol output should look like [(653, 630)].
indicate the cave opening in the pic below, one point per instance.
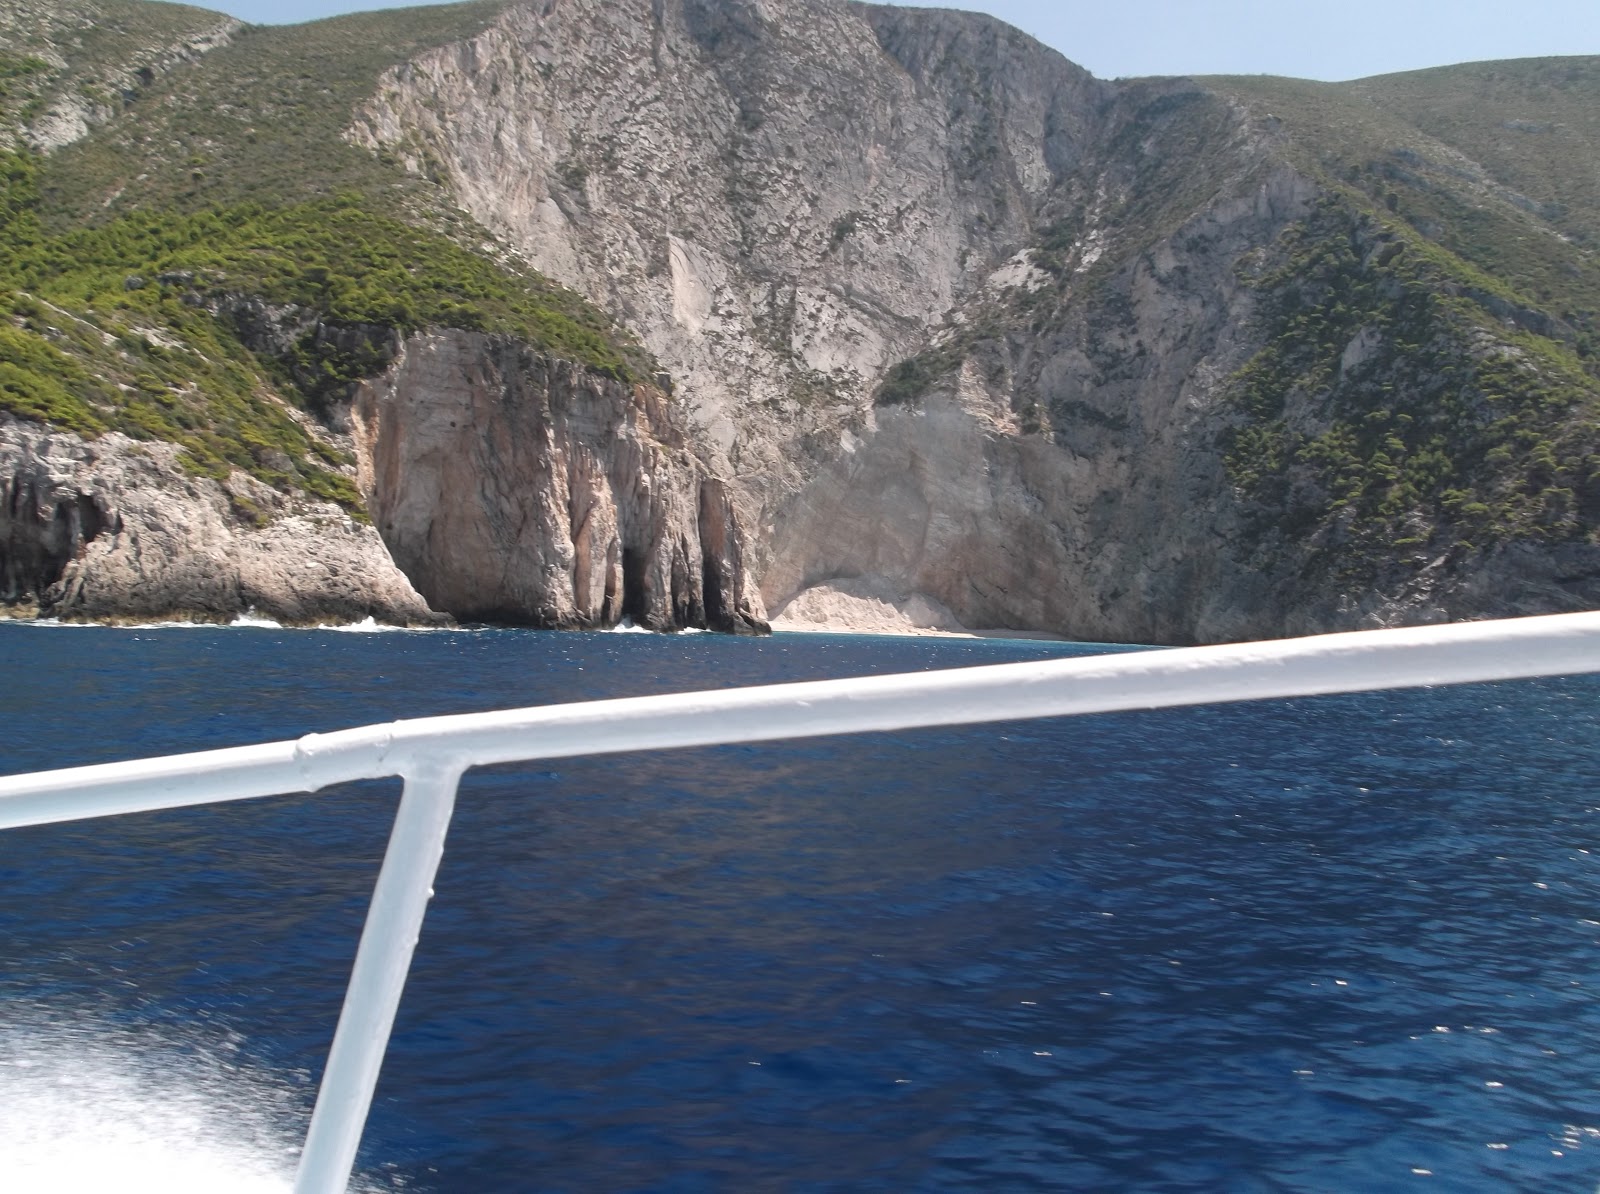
[(633, 586), (34, 550), (714, 589)]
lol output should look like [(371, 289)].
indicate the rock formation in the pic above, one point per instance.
[(515, 488), (111, 529), (785, 200), (776, 205)]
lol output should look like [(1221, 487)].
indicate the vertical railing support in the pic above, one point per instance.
[(394, 922)]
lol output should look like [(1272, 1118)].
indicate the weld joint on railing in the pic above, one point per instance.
[(434, 765), (360, 753)]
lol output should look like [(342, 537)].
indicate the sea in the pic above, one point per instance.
[(1339, 943)]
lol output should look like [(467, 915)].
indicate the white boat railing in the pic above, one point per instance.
[(430, 754)]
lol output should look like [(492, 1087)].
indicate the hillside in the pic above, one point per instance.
[(126, 240), (1531, 125), (68, 68), (947, 321), (198, 260), (1430, 376)]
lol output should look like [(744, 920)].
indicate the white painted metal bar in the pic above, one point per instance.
[(394, 923), (1366, 660), (431, 754)]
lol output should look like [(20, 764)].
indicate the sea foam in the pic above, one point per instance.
[(92, 1107)]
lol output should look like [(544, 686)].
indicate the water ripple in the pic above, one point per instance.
[(1345, 943)]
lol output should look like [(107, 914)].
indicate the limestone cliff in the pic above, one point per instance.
[(516, 488), (961, 323), (787, 199), (774, 204), (114, 529)]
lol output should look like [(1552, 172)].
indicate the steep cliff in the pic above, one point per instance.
[(971, 327), (776, 207), (513, 487)]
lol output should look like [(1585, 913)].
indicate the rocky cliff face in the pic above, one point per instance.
[(787, 200), (506, 486), (958, 334), (776, 205), (112, 529), (961, 323), (515, 488)]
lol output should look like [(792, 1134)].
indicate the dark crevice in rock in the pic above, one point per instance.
[(717, 613), (42, 530), (634, 606), (722, 564)]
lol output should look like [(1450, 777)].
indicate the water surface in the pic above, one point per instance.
[(1338, 943)]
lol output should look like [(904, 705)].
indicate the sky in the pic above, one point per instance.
[(1312, 39)]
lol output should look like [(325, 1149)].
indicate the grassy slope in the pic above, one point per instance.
[(1524, 208), (1460, 245), (103, 52), (260, 120), (1533, 124), (228, 176)]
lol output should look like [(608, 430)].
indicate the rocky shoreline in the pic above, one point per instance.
[(501, 485), (113, 529)]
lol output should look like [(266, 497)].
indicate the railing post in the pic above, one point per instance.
[(394, 922)]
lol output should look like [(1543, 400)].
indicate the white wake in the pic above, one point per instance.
[(94, 1108)]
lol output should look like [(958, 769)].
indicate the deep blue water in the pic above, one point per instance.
[(1343, 943)]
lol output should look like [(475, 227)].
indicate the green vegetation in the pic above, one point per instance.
[(911, 378), (1390, 408), (1429, 380), (21, 81), (127, 325), (331, 256), (108, 46), (1530, 124), (1448, 153), (261, 120), (14, 69), (94, 371), (978, 339), (1056, 241), (81, 351)]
